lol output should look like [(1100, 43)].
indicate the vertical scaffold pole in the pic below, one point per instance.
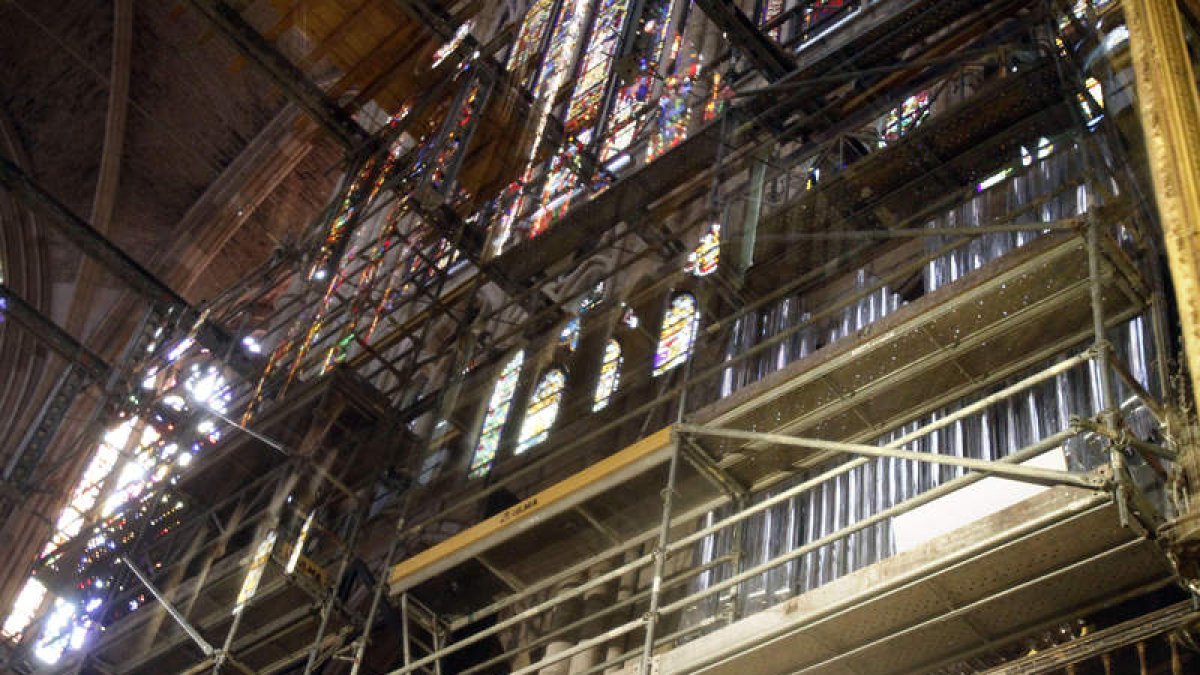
[(660, 559), (404, 637), (331, 598), (664, 529), (360, 650), (1107, 403)]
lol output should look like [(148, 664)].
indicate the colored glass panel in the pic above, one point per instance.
[(582, 112), (1092, 103), (448, 48), (903, 119), (771, 10), (644, 55), (569, 336), (529, 41), (555, 71), (594, 297), (707, 257), (543, 409), (24, 609), (678, 333), (610, 376), (496, 416)]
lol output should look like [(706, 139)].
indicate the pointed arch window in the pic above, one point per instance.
[(610, 375), (705, 259), (569, 335), (678, 333), (497, 415), (905, 118), (543, 409)]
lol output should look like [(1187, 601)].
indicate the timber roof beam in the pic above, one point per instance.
[(290, 79)]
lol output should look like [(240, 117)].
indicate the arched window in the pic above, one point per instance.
[(610, 375), (542, 410), (569, 336), (705, 259), (497, 415), (905, 118), (678, 333)]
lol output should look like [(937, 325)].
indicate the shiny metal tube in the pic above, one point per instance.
[(1028, 453)]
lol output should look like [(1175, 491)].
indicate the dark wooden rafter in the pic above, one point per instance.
[(396, 48), (108, 180), (84, 368), (54, 337), (322, 48), (286, 21), (290, 79), (99, 248)]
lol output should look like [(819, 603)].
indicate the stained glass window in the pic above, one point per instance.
[(569, 336), (678, 333), (771, 10), (59, 631), (29, 600), (705, 259), (448, 48), (1045, 148), (630, 318), (1092, 104), (529, 41), (543, 409), (820, 13), (674, 111), (593, 297), (610, 376), (716, 99), (497, 415), (583, 111), (554, 74), (646, 52), (905, 118)]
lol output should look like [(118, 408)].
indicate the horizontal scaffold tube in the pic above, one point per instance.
[(1039, 448), (1029, 474)]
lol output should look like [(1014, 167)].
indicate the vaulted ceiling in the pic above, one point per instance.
[(148, 120)]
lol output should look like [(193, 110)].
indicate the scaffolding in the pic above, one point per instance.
[(313, 536)]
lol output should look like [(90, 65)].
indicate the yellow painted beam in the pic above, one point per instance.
[(1169, 106), (633, 460)]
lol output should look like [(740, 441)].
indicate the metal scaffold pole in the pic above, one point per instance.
[(1107, 410), (360, 650), (664, 529), (205, 645), (660, 559), (331, 598)]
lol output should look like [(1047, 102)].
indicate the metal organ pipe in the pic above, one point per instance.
[(992, 428)]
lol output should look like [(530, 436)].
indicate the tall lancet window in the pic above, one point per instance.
[(678, 333), (610, 376), (497, 415), (543, 409)]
